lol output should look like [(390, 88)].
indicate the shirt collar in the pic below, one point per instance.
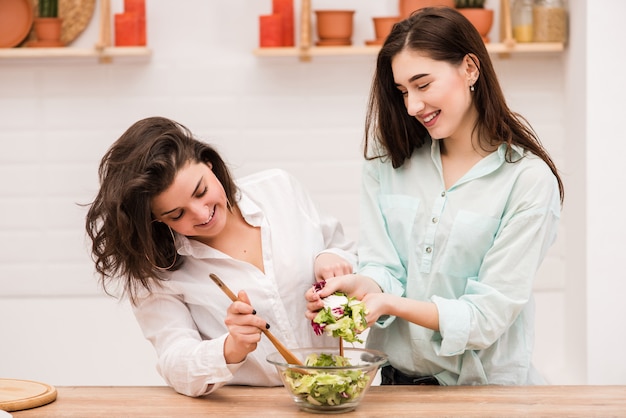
[(250, 211), (487, 165)]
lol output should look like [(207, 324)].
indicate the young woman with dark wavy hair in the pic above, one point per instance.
[(168, 214)]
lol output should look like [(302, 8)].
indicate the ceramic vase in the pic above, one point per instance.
[(334, 27), (482, 19), (406, 7), (383, 26)]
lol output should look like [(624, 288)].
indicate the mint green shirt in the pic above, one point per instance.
[(473, 250)]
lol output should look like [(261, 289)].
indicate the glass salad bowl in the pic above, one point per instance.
[(327, 382)]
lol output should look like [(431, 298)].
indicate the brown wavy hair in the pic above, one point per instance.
[(127, 245), (443, 34)]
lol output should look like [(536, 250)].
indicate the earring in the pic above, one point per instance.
[(175, 253), (472, 87), (228, 205)]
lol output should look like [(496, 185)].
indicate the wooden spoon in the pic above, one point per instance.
[(284, 351)]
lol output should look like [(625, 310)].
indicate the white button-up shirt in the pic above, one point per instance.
[(184, 318), (473, 250)]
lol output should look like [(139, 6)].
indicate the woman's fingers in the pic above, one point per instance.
[(241, 313)]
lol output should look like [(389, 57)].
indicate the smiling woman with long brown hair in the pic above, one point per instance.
[(168, 214), (460, 203)]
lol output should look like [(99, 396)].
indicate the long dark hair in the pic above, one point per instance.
[(127, 244), (443, 34)]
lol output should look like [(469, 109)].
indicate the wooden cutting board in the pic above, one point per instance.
[(16, 395)]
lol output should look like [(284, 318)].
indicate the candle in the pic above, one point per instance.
[(126, 29), (270, 31), (135, 6), (284, 8), (139, 8)]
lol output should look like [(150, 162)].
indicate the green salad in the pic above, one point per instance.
[(327, 387), (342, 316)]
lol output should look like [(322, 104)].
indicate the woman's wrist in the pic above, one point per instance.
[(232, 353)]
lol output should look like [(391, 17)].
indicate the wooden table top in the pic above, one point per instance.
[(380, 401)]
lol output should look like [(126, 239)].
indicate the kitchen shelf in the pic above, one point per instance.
[(102, 50), (103, 54), (305, 51), (493, 48)]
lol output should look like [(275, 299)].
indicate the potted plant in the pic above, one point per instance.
[(406, 7), (334, 27), (475, 12), (382, 28), (48, 24)]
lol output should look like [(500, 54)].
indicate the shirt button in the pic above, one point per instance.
[(429, 250), (435, 220), (443, 194)]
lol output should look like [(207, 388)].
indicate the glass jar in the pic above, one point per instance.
[(549, 21), (522, 20)]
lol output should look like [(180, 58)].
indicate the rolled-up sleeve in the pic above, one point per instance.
[(454, 335), (492, 301), (189, 364)]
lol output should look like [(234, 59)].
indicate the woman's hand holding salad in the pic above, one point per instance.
[(334, 306), (353, 285)]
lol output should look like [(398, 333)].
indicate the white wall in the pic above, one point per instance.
[(574, 212), (58, 116), (606, 224)]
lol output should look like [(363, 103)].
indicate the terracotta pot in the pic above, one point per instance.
[(334, 27), (406, 7), (383, 25), (48, 31), (482, 19)]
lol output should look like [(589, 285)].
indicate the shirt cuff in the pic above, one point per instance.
[(384, 321), (386, 283), (454, 325), (208, 362), (232, 368)]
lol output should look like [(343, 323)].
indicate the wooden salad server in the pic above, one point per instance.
[(284, 351)]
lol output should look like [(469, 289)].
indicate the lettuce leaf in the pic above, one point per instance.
[(342, 316)]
